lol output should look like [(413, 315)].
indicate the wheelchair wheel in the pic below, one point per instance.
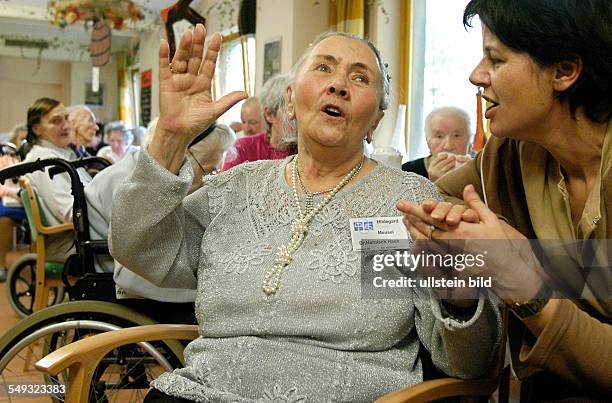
[(21, 285), (123, 375)]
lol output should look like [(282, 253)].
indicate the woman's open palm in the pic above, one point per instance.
[(186, 104)]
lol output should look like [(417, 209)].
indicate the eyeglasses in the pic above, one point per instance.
[(205, 172)]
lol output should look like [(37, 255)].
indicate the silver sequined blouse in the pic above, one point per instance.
[(315, 340)]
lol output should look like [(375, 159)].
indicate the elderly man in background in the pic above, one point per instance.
[(84, 127), (271, 143), (252, 118), (447, 132)]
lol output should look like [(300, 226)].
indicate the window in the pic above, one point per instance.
[(235, 71), (443, 61)]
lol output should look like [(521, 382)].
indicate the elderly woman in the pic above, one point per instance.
[(271, 144), (119, 140), (49, 134), (547, 170), (278, 287)]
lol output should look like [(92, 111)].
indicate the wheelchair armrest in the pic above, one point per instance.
[(82, 357), (440, 388)]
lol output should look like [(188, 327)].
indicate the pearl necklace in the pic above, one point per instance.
[(310, 196), (299, 227)]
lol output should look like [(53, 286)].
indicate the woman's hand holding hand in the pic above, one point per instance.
[(185, 96), (510, 262)]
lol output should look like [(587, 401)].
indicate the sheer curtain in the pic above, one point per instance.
[(347, 16)]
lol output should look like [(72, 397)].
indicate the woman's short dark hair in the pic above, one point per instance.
[(36, 111), (552, 31)]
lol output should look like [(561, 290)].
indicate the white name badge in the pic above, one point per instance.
[(379, 233)]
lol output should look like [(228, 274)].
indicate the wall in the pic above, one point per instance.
[(22, 82), (296, 22), (81, 76)]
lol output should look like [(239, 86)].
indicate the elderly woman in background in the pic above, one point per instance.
[(272, 144), (548, 171), (206, 155), (267, 244), (49, 134), (18, 134), (119, 140)]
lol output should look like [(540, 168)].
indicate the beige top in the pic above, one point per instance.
[(525, 185)]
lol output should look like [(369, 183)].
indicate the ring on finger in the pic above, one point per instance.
[(172, 68), (432, 228)]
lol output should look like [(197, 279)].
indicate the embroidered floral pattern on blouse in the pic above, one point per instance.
[(245, 256), (277, 396), (334, 262)]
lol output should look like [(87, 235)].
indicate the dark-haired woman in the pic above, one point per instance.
[(547, 74), (49, 135)]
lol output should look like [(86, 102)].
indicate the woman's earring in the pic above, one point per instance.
[(290, 115)]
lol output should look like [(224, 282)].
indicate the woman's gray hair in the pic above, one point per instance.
[(274, 95), (384, 81), (118, 126)]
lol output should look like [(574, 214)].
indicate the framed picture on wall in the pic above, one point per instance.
[(272, 58), (94, 98)]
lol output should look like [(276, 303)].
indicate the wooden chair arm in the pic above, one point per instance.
[(440, 388), (82, 357), (54, 229)]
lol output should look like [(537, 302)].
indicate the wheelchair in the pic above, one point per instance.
[(124, 373)]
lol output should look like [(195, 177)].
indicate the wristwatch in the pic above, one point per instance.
[(531, 307)]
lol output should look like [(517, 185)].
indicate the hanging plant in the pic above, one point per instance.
[(115, 12)]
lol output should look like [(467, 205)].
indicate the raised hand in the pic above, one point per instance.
[(185, 96)]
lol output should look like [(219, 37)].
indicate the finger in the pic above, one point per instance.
[(441, 211), (423, 227), (472, 200), (164, 65), (440, 157), (197, 49), (455, 215), (410, 208), (470, 216), (209, 64), (429, 205), (227, 101), (415, 234), (181, 56)]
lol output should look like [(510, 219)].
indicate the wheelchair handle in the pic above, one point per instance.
[(23, 168), (81, 162)]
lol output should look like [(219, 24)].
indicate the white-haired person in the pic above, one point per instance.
[(119, 140), (447, 133), (84, 128), (267, 246), (166, 305), (271, 144)]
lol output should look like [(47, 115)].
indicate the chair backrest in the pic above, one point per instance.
[(31, 205)]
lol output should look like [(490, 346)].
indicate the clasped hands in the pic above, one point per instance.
[(473, 228)]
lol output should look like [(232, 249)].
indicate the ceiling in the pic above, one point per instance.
[(28, 19)]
